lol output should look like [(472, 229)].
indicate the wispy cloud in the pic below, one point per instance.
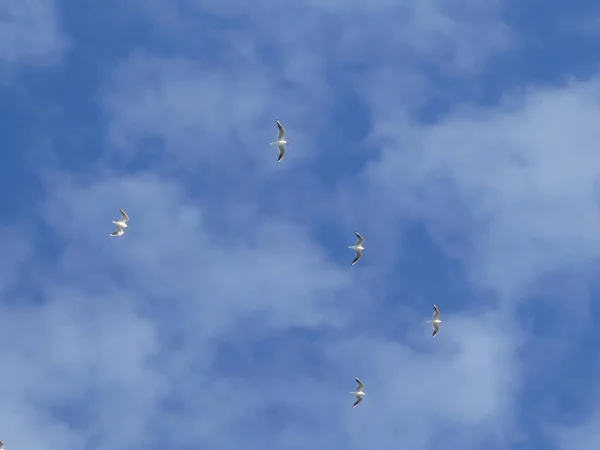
[(256, 68), (526, 171)]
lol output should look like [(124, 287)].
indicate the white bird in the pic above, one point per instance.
[(435, 321), (121, 225), (358, 247), (359, 394), (280, 142)]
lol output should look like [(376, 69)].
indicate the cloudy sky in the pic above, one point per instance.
[(460, 138)]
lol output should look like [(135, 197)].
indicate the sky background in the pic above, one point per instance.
[(461, 139)]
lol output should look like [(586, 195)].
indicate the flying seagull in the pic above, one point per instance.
[(435, 321), (121, 225), (280, 142), (358, 247), (359, 394)]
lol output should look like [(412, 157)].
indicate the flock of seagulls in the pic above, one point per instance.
[(358, 250)]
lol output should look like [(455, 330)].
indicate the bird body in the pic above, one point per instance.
[(120, 223)]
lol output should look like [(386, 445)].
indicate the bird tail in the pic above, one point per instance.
[(353, 247), (273, 143)]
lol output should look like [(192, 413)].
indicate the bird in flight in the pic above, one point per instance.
[(280, 142), (358, 247), (435, 321), (359, 394), (121, 224)]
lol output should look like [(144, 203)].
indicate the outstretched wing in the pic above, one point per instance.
[(281, 152), (358, 400), (281, 130), (360, 385), (360, 239), (358, 256), (436, 312), (124, 216), (436, 328), (119, 232)]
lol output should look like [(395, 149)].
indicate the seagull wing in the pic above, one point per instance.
[(124, 215), (436, 328), (358, 400), (360, 239), (119, 231), (281, 130), (436, 312), (281, 152), (360, 385), (358, 256)]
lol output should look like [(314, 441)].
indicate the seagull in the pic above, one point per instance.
[(121, 225), (280, 142), (435, 321), (359, 394), (358, 247)]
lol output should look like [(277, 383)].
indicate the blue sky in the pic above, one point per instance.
[(460, 138)]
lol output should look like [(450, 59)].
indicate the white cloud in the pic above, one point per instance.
[(461, 387), (353, 31), (186, 113), (261, 69), (197, 112), (520, 179)]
